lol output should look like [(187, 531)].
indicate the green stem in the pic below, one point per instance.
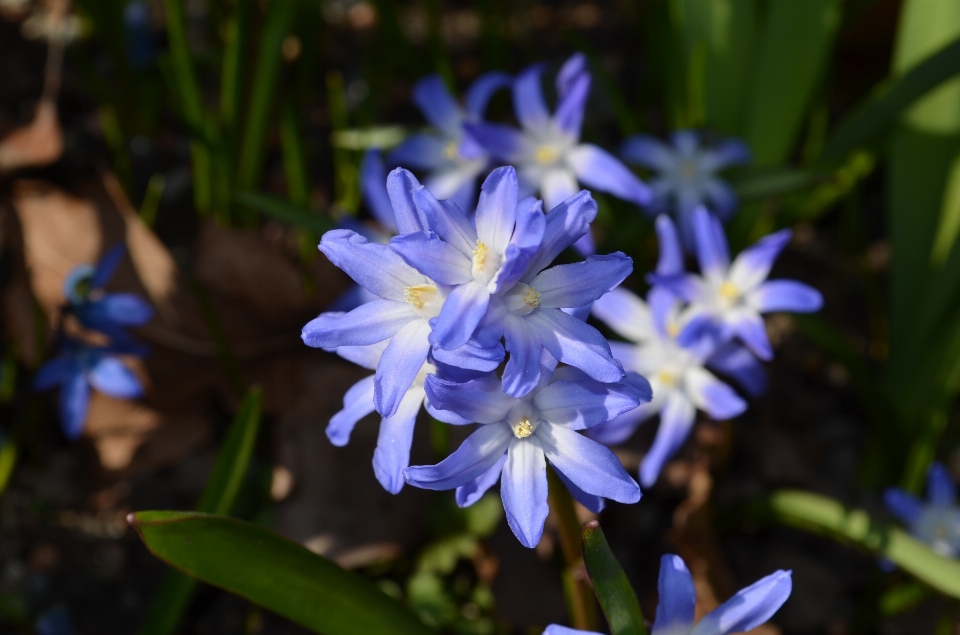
[(576, 589)]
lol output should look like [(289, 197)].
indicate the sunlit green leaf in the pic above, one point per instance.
[(616, 596), (285, 211), (820, 514), (274, 573)]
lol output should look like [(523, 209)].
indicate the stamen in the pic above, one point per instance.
[(688, 170), (452, 150), (729, 291), (667, 378), (523, 429), (480, 255), (673, 330), (531, 298), (547, 154), (413, 295)]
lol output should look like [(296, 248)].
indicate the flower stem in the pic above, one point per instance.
[(581, 603)]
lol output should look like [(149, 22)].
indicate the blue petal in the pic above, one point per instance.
[(478, 95), (670, 260), (712, 395), (741, 366), (753, 264), (568, 74), (750, 329), (566, 223), (649, 152), (401, 362), (584, 404), (569, 114), (576, 343), (749, 608), (523, 487), (465, 196), (479, 400), (528, 103), (365, 356), (676, 419), (460, 315), (74, 399), (373, 187), (678, 597), (593, 503), (686, 141), (590, 466), (555, 629), (421, 151), (392, 455), (526, 239), (373, 266), (447, 220), (438, 106), (600, 170), (477, 454), (712, 251), (434, 258), (471, 356), (940, 487), (626, 314), (557, 185), (730, 152), (786, 295), (687, 287), (618, 430), (497, 208), (502, 142), (468, 494), (400, 183), (54, 372), (111, 377), (367, 324), (80, 273), (905, 506), (722, 198), (522, 372), (107, 266), (357, 404), (126, 309), (580, 283)]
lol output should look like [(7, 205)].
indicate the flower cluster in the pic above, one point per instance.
[(90, 357), (746, 610)]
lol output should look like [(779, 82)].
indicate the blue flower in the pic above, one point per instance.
[(686, 174), (548, 153), (449, 153), (747, 609), (396, 432), (518, 436), (495, 268), (109, 313), (78, 368), (731, 298), (681, 383), (936, 523), (373, 178)]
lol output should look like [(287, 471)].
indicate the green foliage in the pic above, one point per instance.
[(273, 572), (616, 596)]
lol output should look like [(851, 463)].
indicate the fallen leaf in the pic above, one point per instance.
[(37, 144)]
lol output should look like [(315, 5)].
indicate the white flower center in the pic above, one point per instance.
[(522, 429), (522, 299), (486, 262), (547, 154), (425, 298), (452, 151)]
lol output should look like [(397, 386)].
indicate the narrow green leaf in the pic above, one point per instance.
[(823, 515), (882, 111), (274, 573), (792, 53), (757, 184), (236, 31), (151, 200), (285, 211), (294, 157), (218, 496), (277, 25), (8, 460), (616, 596), (903, 598)]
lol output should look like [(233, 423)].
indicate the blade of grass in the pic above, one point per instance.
[(285, 211), (218, 497), (616, 596)]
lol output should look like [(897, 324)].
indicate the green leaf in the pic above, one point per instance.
[(274, 573), (285, 211), (792, 54), (823, 515), (878, 113), (382, 137), (218, 497), (616, 596), (8, 460)]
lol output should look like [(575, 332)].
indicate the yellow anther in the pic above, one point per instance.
[(531, 298), (688, 169), (414, 295), (673, 330), (666, 378), (729, 291), (480, 254), (452, 151), (523, 429), (547, 154)]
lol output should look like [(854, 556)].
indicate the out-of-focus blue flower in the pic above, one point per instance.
[(76, 369), (396, 433), (747, 609), (518, 436), (449, 152), (109, 313), (547, 152), (731, 298), (373, 189), (681, 383), (936, 523), (686, 174), (499, 288), (141, 41)]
